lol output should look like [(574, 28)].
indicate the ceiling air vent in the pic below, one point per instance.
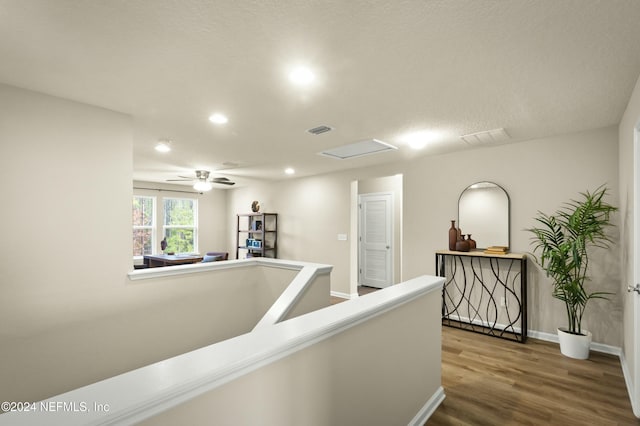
[(320, 130), (358, 149), (487, 137)]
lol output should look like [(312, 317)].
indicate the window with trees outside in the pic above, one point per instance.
[(144, 225), (181, 224)]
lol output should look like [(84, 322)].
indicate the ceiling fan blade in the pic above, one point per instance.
[(201, 175), (222, 180)]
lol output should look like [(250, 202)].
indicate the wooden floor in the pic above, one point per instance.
[(489, 381)]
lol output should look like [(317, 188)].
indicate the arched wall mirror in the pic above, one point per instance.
[(483, 212)]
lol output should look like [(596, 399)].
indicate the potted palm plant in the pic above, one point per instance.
[(563, 242)]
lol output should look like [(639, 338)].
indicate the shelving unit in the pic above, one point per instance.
[(257, 235)]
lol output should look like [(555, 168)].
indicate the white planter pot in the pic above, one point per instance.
[(574, 345)]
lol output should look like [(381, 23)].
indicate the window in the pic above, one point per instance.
[(179, 219), (181, 224), (144, 225)]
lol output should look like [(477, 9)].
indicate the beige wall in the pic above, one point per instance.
[(537, 175), (311, 213), (314, 297), (65, 171), (69, 314), (629, 123)]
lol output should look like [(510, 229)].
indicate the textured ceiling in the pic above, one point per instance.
[(535, 68)]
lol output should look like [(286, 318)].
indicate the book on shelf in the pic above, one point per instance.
[(496, 250)]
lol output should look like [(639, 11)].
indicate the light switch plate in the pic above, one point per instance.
[(342, 237)]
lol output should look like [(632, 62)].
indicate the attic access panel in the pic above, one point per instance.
[(358, 149)]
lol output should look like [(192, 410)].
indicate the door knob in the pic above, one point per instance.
[(636, 288)]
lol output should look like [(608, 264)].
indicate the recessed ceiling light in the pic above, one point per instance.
[(301, 76), (218, 118), (419, 139), (163, 146), (289, 171)]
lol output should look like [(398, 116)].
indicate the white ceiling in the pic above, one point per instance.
[(534, 67)]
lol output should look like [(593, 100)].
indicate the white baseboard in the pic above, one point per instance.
[(428, 408), (629, 382), (597, 347), (549, 337), (344, 295)]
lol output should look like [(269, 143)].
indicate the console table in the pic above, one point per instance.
[(484, 293), (156, 260)]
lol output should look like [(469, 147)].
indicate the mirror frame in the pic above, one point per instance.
[(508, 208)]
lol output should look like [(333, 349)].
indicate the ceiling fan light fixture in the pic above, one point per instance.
[(202, 185), (202, 182)]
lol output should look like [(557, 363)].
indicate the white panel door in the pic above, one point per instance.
[(375, 261)]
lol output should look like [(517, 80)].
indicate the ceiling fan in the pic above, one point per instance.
[(202, 181)]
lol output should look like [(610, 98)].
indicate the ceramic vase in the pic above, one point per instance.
[(472, 243), (453, 235), (462, 244)]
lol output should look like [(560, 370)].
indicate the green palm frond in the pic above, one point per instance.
[(563, 241)]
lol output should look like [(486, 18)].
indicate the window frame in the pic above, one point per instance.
[(193, 227), (153, 227)]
